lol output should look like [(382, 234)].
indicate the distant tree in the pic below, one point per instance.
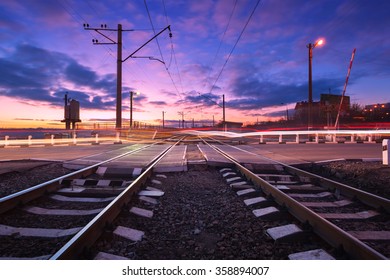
[(356, 110)]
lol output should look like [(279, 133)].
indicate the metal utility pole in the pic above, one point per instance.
[(310, 98), (182, 118), (118, 42), (311, 46), (118, 124), (223, 109), (345, 87)]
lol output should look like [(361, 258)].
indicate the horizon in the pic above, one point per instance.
[(253, 52)]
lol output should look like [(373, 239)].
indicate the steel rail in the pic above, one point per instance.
[(350, 192), (13, 200), (322, 227), (88, 235), (364, 197)]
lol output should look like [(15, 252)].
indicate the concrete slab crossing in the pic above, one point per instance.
[(174, 160)]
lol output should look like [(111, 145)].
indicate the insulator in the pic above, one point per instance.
[(101, 25), (170, 35), (105, 26)]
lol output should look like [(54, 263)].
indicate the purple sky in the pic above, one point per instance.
[(45, 52)]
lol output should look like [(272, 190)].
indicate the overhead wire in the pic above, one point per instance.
[(235, 44), (173, 51), (220, 42), (162, 58), (154, 30)]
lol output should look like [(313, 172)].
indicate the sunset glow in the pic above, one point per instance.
[(254, 53)]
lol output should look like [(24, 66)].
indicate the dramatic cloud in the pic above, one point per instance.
[(37, 74), (45, 52)]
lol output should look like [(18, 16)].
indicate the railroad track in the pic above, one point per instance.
[(349, 219), (279, 196), (44, 217)]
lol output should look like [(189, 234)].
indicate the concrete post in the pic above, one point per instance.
[(6, 140), (52, 139), (29, 140)]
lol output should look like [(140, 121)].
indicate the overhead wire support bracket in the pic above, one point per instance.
[(149, 57), (151, 39), (103, 28)]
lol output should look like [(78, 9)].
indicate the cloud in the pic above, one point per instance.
[(38, 74), (158, 103)]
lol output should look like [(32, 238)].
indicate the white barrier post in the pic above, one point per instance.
[(118, 140), (317, 140), (6, 140), (297, 138), (370, 138), (280, 138), (261, 139), (352, 138), (334, 138), (385, 151), (52, 139), (74, 138), (29, 140), (96, 140)]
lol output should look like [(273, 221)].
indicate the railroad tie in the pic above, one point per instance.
[(141, 212), (61, 212), (286, 233), (355, 216), (129, 233), (107, 256), (267, 213), (37, 232), (317, 254)]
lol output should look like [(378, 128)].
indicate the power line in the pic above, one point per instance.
[(169, 73), (238, 39), (220, 42), (154, 31), (174, 53)]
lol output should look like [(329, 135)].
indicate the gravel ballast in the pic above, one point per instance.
[(200, 217)]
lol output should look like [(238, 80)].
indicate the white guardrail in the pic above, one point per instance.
[(281, 137), (29, 141), (305, 136)]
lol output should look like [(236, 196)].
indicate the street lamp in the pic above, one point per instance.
[(286, 110), (131, 106), (311, 46)]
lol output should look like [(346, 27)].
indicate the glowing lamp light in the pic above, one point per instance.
[(320, 42)]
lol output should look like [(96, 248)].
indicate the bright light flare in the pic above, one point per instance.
[(320, 42)]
